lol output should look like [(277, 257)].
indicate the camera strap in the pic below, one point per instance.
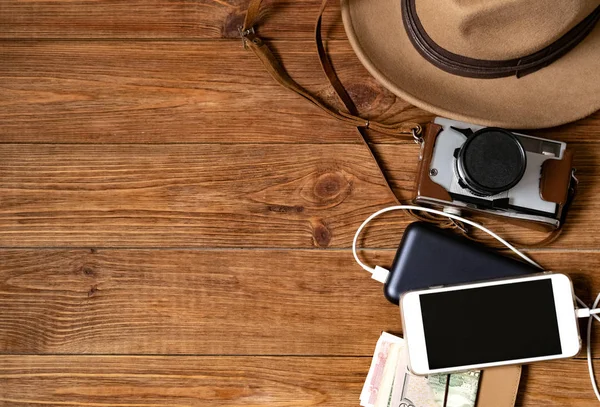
[(252, 41), (405, 130)]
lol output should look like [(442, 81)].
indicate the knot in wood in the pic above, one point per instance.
[(328, 186), (321, 234)]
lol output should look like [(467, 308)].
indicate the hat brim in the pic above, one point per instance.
[(565, 91)]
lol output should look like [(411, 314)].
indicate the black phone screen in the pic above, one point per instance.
[(490, 324)]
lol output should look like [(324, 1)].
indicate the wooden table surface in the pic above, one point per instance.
[(175, 227)]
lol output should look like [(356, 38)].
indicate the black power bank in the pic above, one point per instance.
[(429, 256)]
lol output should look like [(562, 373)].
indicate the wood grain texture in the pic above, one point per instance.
[(176, 92), (231, 302), (215, 302), (144, 126), (157, 92), (189, 19), (557, 383), (227, 196), (179, 382), (236, 381), (184, 195)]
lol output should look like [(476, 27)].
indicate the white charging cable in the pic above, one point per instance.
[(381, 274)]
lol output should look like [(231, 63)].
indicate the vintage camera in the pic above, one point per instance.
[(495, 171)]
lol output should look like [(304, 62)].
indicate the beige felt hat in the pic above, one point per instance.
[(509, 63)]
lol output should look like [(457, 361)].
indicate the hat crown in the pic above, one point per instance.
[(500, 29)]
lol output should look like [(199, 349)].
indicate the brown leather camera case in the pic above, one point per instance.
[(554, 184)]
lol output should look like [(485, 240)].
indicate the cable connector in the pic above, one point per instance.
[(380, 274), (582, 312)]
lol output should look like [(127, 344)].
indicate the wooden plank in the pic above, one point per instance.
[(185, 195), (179, 382), (557, 383), (227, 196), (175, 92), (121, 92), (216, 302), (236, 381), (189, 302), (198, 19)]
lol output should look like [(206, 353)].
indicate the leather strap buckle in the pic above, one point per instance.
[(244, 34)]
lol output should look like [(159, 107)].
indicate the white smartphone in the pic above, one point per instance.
[(493, 323)]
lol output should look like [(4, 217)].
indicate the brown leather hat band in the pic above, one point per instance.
[(482, 68)]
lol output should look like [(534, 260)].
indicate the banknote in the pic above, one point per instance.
[(401, 377), (462, 389), (390, 383), (386, 385), (368, 395), (455, 390), (429, 391)]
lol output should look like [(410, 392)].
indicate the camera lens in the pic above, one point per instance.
[(491, 161)]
